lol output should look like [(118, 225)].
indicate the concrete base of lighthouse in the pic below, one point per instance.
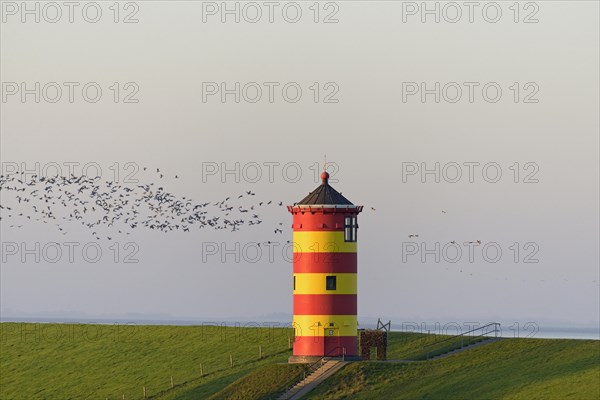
[(314, 359)]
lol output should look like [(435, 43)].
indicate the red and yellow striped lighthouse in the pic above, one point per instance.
[(325, 275)]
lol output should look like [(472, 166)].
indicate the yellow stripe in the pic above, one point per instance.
[(322, 242), (316, 284), (318, 325)]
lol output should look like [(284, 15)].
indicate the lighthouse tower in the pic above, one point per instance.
[(325, 275)]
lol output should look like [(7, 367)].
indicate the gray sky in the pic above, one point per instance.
[(370, 120)]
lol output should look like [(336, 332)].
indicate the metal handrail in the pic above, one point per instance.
[(495, 324), (311, 367)]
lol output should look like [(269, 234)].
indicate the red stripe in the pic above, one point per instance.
[(325, 346), (325, 262), (325, 304), (320, 222)]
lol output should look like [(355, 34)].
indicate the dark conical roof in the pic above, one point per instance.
[(325, 195)]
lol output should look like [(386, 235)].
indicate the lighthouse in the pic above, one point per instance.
[(325, 275)]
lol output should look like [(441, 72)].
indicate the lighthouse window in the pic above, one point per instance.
[(350, 228), (294, 283), (330, 283)]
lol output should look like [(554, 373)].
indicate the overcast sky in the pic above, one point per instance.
[(519, 98)]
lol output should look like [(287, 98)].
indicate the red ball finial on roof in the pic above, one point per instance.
[(324, 176)]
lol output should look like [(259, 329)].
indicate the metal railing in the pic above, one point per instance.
[(310, 369), (451, 343)]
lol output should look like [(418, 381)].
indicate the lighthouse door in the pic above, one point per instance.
[(332, 342)]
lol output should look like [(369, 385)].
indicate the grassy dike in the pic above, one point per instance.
[(72, 361), (508, 369), (61, 361)]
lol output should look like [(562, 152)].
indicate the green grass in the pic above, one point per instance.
[(409, 346), (100, 361), (104, 361), (508, 369), (266, 382), (415, 346)]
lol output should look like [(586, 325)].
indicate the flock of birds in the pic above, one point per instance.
[(95, 203)]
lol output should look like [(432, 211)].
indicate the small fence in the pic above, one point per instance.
[(158, 390)]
